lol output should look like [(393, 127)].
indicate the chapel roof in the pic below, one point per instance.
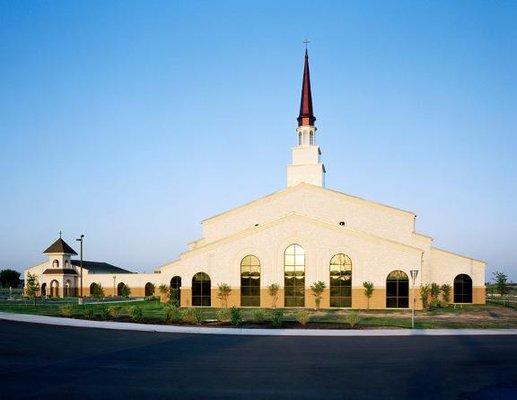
[(60, 247), (95, 267)]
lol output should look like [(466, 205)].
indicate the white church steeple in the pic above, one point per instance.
[(306, 165)]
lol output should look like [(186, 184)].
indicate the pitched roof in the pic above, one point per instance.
[(60, 246), (59, 271), (95, 267)]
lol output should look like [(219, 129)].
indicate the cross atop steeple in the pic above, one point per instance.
[(306, 42), (60, 233)]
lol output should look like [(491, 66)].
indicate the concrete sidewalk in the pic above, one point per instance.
[(41, 319)]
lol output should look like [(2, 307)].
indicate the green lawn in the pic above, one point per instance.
[(154, 312)]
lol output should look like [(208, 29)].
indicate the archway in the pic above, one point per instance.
[(397, 290), (463, 289), (43, 289), (149, 289), (176, 288), (67, 292), (201, 290), (120, 289), (54, 288)]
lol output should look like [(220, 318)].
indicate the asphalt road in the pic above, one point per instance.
[(40, 361)]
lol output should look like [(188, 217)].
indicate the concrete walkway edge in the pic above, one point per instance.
[(80, 323)]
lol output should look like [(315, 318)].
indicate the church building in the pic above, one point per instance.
[(294, 237)]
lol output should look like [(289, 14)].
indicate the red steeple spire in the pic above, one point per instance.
[(306, 116)]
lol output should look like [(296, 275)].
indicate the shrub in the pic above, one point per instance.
[(435, 292), (96, 291), (277, 318), (317, 289), (446, 293), (223, 292), (193, 316), (174, 297), (368, 292), (32, 287), (135, 313), (66, 310), (425, 291), (105, 313), (235, 316), (125, 290), (273, 292), (172, 314), (164, 292), (223, 315), (88, 313), (114, 311), (303, 317), (258, 315), (352, 318)]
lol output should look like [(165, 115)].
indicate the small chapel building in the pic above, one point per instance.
[(294, 237)]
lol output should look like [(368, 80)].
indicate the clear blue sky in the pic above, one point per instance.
[(132, 121)]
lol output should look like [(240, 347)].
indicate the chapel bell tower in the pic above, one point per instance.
[(306, 165)]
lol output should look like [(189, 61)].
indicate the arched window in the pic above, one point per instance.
[(397, 290), (311, 137), (299, 138), (55, 264), (149, 289), (120, 288), (201, 288), (176, 287), (294, 276), (250, 281), (54, 288), (66, 264), (43, 289), (340, 281), (463, 289)]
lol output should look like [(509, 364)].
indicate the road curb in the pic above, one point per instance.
[(127, 326)]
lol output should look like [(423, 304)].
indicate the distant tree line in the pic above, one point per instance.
[(9, 278)]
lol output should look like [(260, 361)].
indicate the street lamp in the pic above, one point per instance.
[(414, 274), (114, 291), (81, 264)]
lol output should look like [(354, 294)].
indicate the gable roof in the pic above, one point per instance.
[(61, 247), (301, 185), (95, 267)]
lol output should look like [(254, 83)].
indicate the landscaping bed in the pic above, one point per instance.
[(154, 312)]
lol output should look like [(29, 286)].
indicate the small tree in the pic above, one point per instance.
[(368, 292), (501, 283), (317, 291), (174, 297), (425, 292), (164, 293), (435, 292), (9, 278), (97, 291), (32, 287), (446, 293), (273, 290), (223, 292), (125, 290)]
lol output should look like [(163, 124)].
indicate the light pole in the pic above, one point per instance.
[(414, 274), (81, 264), (114, 291)]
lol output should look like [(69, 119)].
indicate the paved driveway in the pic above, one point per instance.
[(40, 361)]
